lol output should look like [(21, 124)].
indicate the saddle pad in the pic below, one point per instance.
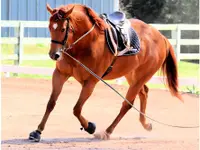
[(134, 43)]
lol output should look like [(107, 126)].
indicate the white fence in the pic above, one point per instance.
[(20, 40), (48, 71)]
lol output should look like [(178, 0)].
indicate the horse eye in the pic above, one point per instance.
[(63, 30)]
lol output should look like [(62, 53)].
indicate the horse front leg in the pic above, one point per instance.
[(58, 80), (87, 89)]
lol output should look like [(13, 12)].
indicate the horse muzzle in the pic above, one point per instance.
[(55, 55)]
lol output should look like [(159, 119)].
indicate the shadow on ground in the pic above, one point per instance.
[(64, 140)]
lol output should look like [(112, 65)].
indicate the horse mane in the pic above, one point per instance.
[(94, 18)]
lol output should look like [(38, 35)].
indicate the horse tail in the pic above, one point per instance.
[(169, 68)]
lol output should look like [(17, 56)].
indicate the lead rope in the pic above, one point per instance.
[(99, 78)]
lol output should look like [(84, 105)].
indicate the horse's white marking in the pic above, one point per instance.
[(102, 135), (60, 58), (55, 25)]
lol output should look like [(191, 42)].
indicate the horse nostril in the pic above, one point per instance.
[(57, 55)]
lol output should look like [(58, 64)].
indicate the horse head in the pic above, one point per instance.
[(59, 29), (69, 26)]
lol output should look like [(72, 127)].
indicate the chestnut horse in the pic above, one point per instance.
[(80, 30)]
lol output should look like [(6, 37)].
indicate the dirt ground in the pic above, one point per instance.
[(24, 102)]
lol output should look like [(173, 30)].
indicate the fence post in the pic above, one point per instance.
[(16, 51), (21, 45), (176, 34), (19, 33)]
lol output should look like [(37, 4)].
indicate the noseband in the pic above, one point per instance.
[(66, 36)]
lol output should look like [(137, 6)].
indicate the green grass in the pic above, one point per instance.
[(28, 49), (185, 69), (163, 86), (35, 63)]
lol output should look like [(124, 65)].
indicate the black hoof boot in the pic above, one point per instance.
[(91, 128), (35, 136)]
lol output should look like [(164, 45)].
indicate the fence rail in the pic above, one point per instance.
[(49, 71), (19, 40)]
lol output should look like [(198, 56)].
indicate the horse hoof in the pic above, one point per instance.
[(149, 127), (35, 136), (91, 128), (102, 136)]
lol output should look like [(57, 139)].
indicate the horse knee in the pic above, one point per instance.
[(143, 94), (146, 89), (126, 106), (76, 111), (51, 105)]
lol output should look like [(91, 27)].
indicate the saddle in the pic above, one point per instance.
[(125, 38)]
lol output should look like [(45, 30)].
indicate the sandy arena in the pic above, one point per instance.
[(24, 102)]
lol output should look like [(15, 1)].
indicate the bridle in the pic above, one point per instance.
[(63, 42)]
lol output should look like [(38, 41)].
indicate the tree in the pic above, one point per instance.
[(162, 11), (166, 12)]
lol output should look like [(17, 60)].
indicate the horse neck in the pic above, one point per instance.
[(90, 43), (80, 30)]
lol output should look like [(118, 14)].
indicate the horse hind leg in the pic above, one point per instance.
[(143, 94), (124, 109), (133, 90)]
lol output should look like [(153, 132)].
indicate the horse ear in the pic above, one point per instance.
[(49, 9), (68, 12)]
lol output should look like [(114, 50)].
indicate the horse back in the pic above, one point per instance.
[(152, 42)]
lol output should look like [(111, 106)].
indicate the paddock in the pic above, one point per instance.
[(24, 101)]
